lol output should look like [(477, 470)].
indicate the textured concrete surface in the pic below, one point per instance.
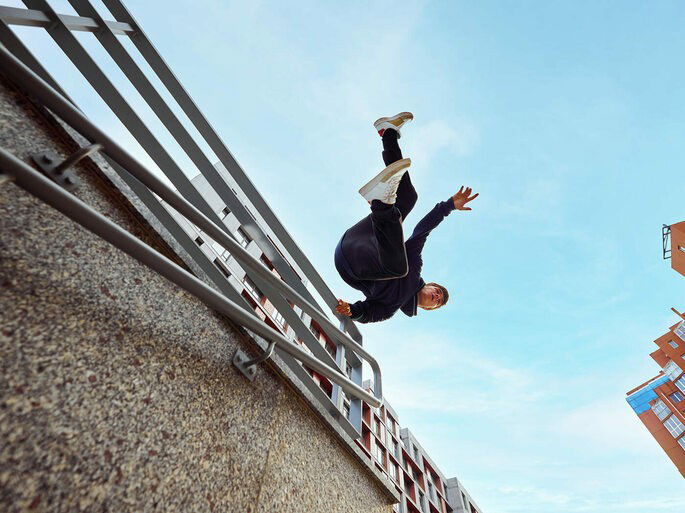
[(117, 392)]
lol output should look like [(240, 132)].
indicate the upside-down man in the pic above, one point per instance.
[(373, 256)]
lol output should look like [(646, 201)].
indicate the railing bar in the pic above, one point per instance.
[(44, 189), (186, 103), (136, 76), (36, 86), (37, 18), (17, 47)]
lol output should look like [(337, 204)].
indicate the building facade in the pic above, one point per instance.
[(397, 453), (660, 402)]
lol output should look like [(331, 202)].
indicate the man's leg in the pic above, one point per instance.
[(386, 221), (406, 194)]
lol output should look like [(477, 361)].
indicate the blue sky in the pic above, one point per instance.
[(567, 117)]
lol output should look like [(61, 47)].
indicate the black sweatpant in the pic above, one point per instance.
[(384, 224)]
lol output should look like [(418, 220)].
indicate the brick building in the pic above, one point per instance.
[(660, 402)]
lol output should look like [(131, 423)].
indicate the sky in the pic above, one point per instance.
[(567, 117)]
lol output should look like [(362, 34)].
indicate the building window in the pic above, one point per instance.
[(392, 468), (408, 487), (252, 288), (199, 241), (223, 253), (672, 344), (391, 425), (681, 441), (415, 474), (242, 237), (331, 349), (220, 265), (673, 370), (422, 502), (396, 449), (660, 409), (346, 409), (680, 330), (380, 454), (416, 453), (280, 320), (315, 331), (348, 370), (681, 384), (674, 426), (225, 212), (676, 397)]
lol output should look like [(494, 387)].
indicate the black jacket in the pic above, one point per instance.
[(385, 297)]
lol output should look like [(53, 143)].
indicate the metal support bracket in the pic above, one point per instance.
[(248, 366), (61, 172)]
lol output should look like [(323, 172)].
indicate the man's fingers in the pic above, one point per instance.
[(473, 197), (461, 189), (467, 208)]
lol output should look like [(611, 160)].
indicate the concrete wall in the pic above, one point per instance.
[(117, 392)]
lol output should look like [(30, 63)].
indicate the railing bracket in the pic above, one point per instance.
[(247, 365), (61, 172)]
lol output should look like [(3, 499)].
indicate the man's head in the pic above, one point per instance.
[(432, 296)]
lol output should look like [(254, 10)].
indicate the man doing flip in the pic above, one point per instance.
[(373, 256)]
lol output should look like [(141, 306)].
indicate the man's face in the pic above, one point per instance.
[(430, 297)]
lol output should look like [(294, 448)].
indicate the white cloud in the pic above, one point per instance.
[(607, 424), (449, 377)]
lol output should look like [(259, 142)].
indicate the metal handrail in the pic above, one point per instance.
[(44, 189), (36, 86)]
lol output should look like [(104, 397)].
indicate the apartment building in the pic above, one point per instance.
[(660, 401), (398, 454)]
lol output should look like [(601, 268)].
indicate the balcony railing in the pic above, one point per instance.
[(19, 64)]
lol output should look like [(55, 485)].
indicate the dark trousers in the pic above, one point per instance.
[(384, 224)]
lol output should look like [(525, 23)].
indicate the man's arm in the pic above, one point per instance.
[(365, 311), (434, 217)]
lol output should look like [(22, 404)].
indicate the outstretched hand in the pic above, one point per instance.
[(343, 308), (461, 198)]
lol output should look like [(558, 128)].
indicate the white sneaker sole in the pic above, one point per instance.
[(406, 116), (389, 171)]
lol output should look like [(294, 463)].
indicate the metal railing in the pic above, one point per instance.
[(665, 242), (24, 69)]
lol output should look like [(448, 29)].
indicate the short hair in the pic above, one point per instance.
[(445, 294)]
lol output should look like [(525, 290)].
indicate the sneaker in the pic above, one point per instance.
[(384, 185), (395, 122)]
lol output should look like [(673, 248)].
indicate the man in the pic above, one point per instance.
[(373, 257)]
